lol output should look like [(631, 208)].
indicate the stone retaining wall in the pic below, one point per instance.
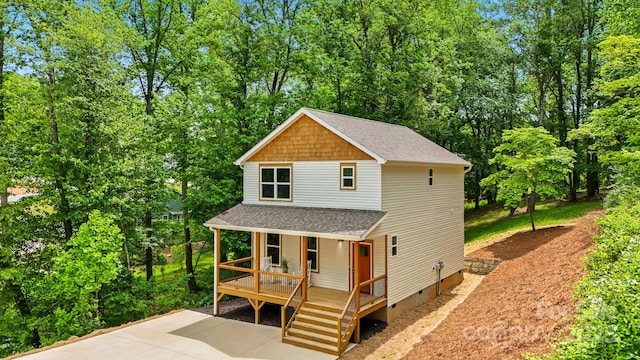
[(479, 265)]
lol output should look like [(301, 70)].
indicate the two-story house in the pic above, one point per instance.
[(374, 210)]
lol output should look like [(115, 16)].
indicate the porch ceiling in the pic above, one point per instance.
[(342, 224)]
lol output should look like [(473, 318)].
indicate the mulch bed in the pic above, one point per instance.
[(521, 307)]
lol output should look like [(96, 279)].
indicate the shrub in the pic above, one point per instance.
[(608, 316)]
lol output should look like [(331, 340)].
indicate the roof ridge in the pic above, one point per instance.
[(358, 118)]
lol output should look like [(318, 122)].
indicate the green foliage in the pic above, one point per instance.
[(530, 165), (90, 262), (608, 317)]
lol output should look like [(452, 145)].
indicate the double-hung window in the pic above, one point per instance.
[(394, 245), (275, 182), (347, 176), (273, 248), (430, 177), (312, 253)]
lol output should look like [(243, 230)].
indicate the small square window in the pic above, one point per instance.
[(430, 177), (394, 245)]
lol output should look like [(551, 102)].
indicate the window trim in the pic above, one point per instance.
[(394, 246), (342, 176), (267, 246), (317, 251), (275, 182), (430, 176)]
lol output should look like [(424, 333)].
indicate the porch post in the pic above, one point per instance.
[(304, 246), (356, 286), (356, 271), (386, 265), (256, 262), (216, 272)]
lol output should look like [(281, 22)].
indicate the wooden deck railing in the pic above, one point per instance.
[(347, 321), (295, 300), (377, 290), (240, 274)]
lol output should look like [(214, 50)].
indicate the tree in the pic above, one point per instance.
[(91, 261), (531, 163)]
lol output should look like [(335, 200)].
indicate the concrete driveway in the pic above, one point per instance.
[(185, 335)]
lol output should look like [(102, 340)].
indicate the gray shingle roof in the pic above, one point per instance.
[(388, 141), (331, 223)]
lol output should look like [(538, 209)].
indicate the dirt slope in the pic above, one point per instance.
[(522, 305)]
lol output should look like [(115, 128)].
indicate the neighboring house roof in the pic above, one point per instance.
[(15, 198), (382, 141), (342, 224)]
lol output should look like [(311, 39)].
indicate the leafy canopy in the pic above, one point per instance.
[(530, 165)]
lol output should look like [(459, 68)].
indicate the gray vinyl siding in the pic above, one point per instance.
[(317, 184), (429, 223)]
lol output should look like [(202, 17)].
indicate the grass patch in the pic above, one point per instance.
[(173, 270), (494, 221)]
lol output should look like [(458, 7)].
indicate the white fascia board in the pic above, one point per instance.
[(371, 229), (286, 232)]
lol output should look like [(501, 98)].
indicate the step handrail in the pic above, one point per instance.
[(343, 338), (286, 325)]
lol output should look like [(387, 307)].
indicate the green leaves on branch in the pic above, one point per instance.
[(530, 165), (91, 261)]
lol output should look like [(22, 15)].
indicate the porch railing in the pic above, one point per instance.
[(240, 274), (347, 321), (377, 290), (295, 300)]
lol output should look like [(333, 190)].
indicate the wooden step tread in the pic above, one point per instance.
[(310, 344), (321, 307), (319, 313), (316, 320), (310, 335), (318, 329)]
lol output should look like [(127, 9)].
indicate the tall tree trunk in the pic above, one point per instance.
[(478, 177), (531, 206), (541, 104), (593, 184), (61, 172), (188, 248), (4, 193), (148, 260)]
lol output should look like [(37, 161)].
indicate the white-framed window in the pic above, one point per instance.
[(347, 176), (165, 217), (275, 182), (274, 248), (394, 245), (312, 253), (430, 177)]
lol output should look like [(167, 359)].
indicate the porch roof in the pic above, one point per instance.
[(341, 224)]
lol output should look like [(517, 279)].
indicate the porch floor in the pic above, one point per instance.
[(276, 288)]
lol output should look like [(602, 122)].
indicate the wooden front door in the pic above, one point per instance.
[(364, 263)]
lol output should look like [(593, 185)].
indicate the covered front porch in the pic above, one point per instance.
[(336, 274)]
